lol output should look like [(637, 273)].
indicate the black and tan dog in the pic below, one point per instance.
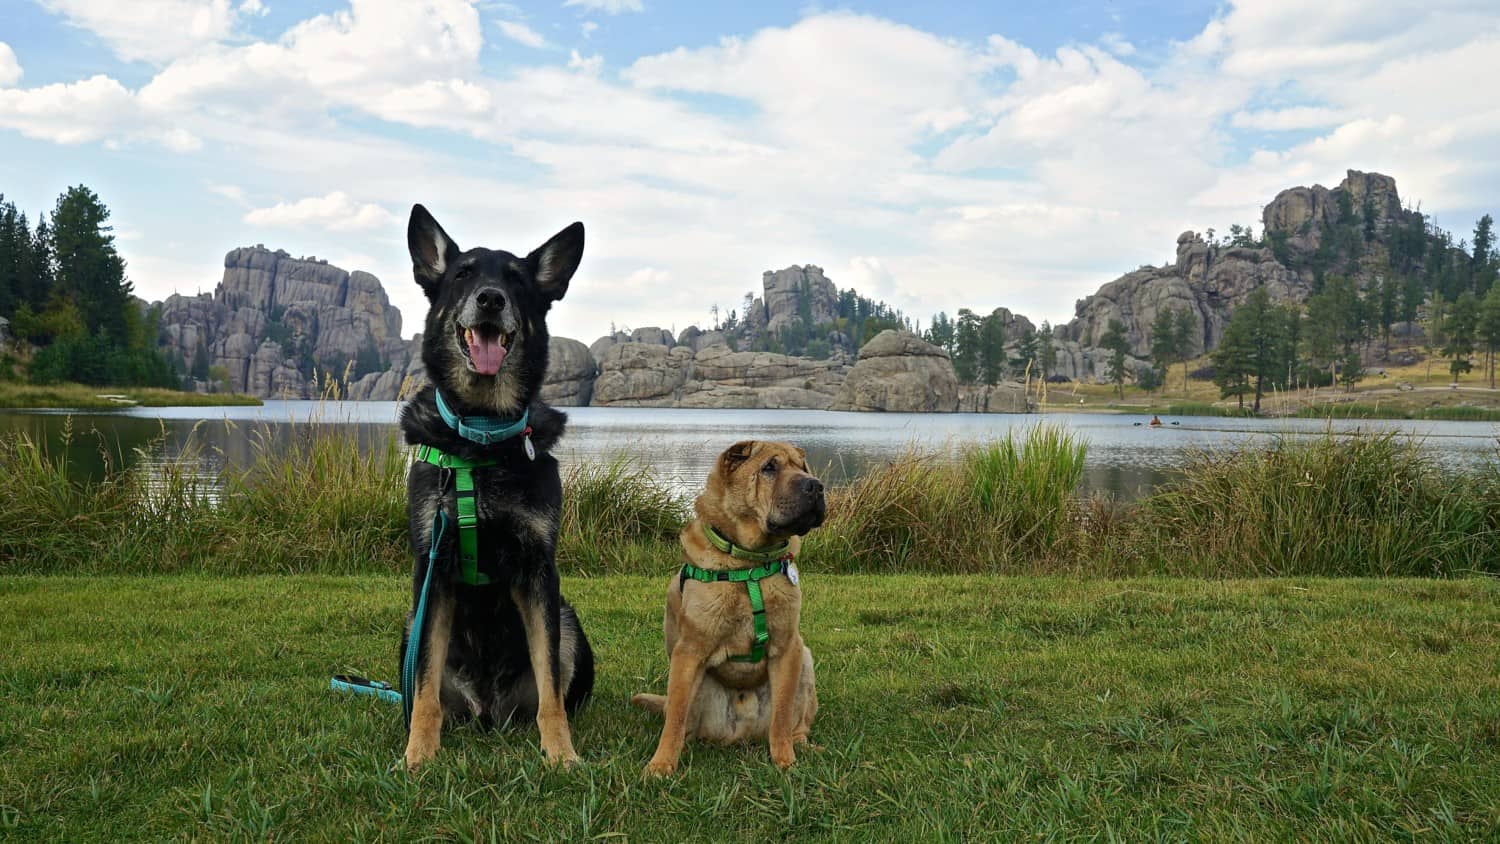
[(727, 684), (498, 642)]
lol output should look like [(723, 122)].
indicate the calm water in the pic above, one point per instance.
[(1124, 458)]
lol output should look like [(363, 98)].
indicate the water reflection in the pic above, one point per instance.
[(1124, 459)]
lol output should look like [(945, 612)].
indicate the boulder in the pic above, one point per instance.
[(571, 371), (697, 339), (641, 375), (653, 335), (899, 372)]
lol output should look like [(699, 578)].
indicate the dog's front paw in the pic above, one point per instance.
[(419, 752), (565, 758), (659, 768), (783, 757)]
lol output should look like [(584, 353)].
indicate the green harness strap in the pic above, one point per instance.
[(467, 504), (776, 560)]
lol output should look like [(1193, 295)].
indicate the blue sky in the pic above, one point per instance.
[(935, 155)]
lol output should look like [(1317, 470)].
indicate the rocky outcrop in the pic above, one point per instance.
[(642, 375), (1005, 397), (899, 372), (571, 371), (1207, 282), (786, 291), (277, 323), (697, 339), (1300, 214)]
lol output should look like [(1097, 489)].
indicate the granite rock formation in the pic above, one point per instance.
[(899, 372)]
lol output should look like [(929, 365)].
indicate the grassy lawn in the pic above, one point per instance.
[(83, 397), (951, 708)]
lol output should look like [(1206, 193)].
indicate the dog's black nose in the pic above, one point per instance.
[(490, 299), (812, 486)]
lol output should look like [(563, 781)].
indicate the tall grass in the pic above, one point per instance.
[(331, 503), (618, 517), (1008, 505), (1362, 505), (1203, 408)]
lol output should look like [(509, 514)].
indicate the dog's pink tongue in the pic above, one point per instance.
[(486, 354)]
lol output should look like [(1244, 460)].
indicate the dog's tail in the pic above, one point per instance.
[(650, 703)]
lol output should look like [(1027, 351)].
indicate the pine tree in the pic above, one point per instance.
[(1435, 328), (1460, 330), (992, 349), (1166, 347), (1115, 343), (1024, 361), (88, 267), (1232, 362), (1186, 327), (967, 341), (1048, 352), (1489, 328)]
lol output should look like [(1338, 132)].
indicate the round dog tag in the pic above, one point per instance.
[(791, 573)]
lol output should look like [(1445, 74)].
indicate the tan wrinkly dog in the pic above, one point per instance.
[(759, 494)]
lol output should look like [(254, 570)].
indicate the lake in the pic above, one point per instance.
[(1125, 458)]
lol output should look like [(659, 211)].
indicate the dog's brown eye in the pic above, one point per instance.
[(769, 468), (463, 272)]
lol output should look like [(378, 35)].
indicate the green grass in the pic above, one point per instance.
[(954, 709), (83, 397), (1356, 410), (1201, 408), (1350, 506)]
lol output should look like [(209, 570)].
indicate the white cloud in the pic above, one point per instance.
[(233, 193), (980, 172), (1277, 120), (590, 65), (336, 212), (611, 7), (522, 34), (588, 28), (10, 66), (150, 30)]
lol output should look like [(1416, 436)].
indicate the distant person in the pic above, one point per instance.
[(1156, 421)]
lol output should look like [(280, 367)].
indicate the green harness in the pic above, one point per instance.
[(467, 504), (775, 560)]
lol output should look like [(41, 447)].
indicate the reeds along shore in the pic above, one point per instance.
[(1368, 506)]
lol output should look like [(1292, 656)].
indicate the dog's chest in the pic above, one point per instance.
[(724, 610)]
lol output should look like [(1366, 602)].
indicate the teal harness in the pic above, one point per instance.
[(484, 430), (774, 560)]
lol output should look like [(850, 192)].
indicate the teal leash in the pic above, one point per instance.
[(354, 684)]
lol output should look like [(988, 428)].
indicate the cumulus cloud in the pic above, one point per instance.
[(611, 7), (522, 34), (152, 30), (980, 171), (10, 66), (336, 212)]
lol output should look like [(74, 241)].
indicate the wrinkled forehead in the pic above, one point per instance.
[(782, 453), (492, 263)]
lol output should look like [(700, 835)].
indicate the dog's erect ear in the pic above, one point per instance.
[(734, 456), (554, 262), (432, 251)]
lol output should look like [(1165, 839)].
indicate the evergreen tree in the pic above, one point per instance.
[(1435, 328), (1482, 261), (1412, 295), (1258, 353), (1024, 361), (1489, 328), (1461, 327), (1047, 354), (1388, 308), (1351, 370), (940, 332), (1232, 362), (199, 370), (966, 351), (1164, 346), (1115, 343), (992, 349), (88, 267), (1186, 327)]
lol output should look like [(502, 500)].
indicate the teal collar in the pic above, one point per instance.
[(485, 430)]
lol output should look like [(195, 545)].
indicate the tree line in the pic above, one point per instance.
[(64, 289)]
